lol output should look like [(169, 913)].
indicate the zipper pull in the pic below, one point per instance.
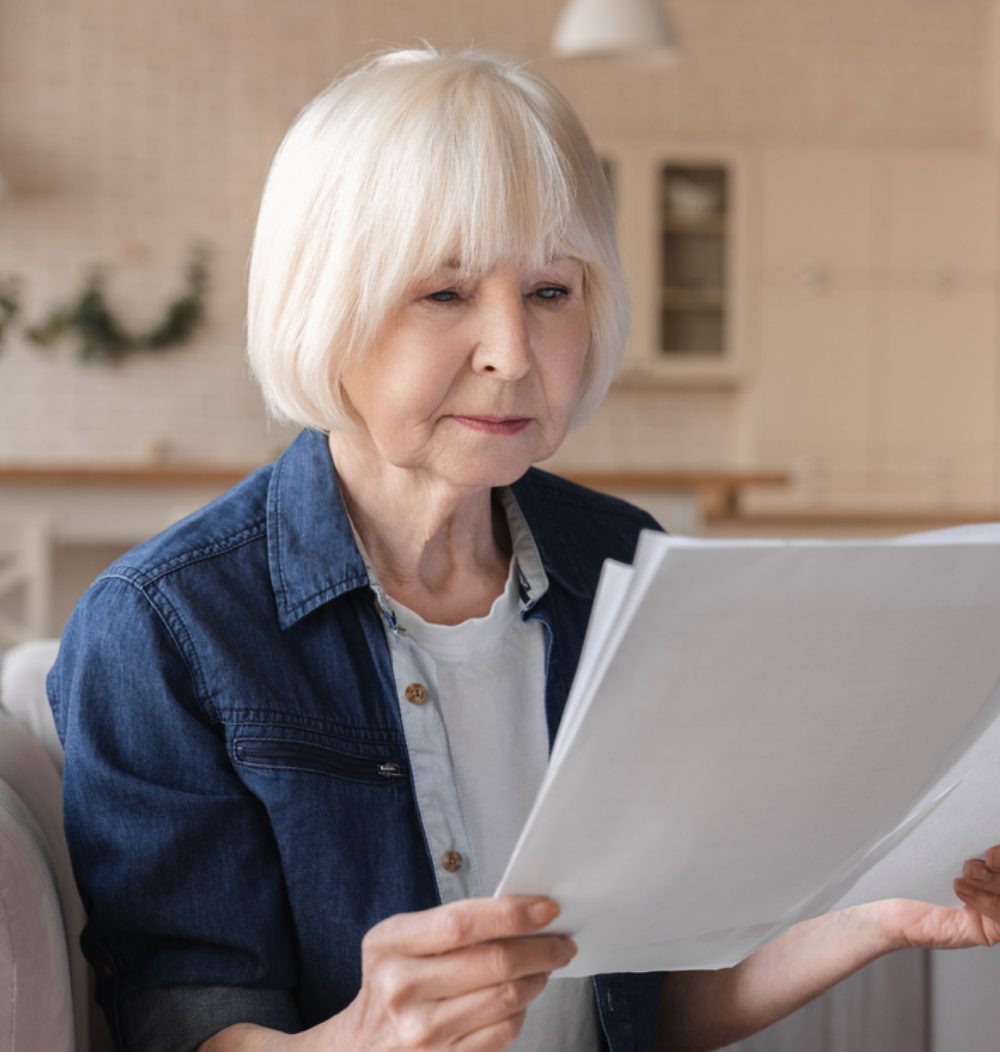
[(391, 770)]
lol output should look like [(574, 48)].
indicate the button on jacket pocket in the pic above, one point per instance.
[(283, 754)]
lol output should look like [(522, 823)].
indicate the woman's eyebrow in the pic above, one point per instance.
[(440, 273), (563, 258)]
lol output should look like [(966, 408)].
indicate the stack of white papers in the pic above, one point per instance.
[(762, 731)]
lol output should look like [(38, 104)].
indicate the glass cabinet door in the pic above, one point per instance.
[(693, 279)]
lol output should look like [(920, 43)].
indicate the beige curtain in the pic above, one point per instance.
[(883, 1008)]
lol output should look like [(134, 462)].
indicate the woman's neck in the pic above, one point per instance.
[(438, 548)]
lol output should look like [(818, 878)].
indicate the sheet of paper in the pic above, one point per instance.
[(924, 865), (612, 590), (967, 822), (751, 722), (607, 625), (973, 533), (618, 590)]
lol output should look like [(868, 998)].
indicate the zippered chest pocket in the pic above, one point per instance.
[(280, 754)]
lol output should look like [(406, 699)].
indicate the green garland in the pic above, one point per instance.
[(10, 304), (100, 336)]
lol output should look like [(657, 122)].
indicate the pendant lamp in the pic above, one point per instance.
[(613, 27)]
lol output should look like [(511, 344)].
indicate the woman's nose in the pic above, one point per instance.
[(503, 345)]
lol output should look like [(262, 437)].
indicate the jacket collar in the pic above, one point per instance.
[(312, 554), (310, 547), (557, 528)]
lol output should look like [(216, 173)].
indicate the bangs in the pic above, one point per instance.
[(472, 176), (494, 188)]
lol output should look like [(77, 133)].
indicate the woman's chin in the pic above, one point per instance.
[(492, 479), (493, 462), (489, 472)]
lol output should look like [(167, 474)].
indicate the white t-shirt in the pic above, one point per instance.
[(491, 687)]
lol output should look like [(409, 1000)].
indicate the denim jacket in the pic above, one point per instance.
[(237, 794)]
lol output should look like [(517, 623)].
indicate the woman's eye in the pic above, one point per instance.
[(552, 292), (443, 296)]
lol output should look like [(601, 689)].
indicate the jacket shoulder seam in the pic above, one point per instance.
[(146, 575), (174, 627)]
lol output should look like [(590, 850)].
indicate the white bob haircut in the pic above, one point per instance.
[(410, 161)]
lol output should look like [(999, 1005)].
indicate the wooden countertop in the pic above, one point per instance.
[(173, 474), (120, 474), (928, 518), (717, 491)]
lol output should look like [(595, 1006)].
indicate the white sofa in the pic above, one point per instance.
[(46, 996)]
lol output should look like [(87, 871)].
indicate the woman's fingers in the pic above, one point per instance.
[(427, 980), (978, 874), (980, 898), (983, 874), (464, 972), (493, 1038), (491, 964), (979, 886), (460, 924), (459, 1017), (982, 914)]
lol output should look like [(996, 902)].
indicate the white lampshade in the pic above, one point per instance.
[(613, 27)]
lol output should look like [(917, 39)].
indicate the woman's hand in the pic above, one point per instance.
[(920, 924), (458, 977), (710, 1009)]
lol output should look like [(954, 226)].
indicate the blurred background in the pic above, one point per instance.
[(808, 201)]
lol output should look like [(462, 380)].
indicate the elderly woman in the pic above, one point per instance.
[(304, 726)]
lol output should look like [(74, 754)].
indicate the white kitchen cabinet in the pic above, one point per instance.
[(811, 391), (682, 226), (813, 216), (874, 292), (937, 347), (936, 420), (939, 209), (810, 387)]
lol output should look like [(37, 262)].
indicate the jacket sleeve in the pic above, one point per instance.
[(188, 921)]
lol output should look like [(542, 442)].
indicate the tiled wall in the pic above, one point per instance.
[(129, 129)]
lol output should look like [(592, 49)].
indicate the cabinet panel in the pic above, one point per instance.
[(817, 210), (813, 389), (887, 395), (938, 428), (935, 482), (814, 369), (940, 370), (941, 213)]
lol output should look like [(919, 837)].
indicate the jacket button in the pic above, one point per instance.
[(416, 693), (452, 861)]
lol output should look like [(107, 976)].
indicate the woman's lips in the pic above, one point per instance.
[(495, 425)]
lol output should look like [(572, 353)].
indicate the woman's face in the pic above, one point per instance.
[(473, 379)]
